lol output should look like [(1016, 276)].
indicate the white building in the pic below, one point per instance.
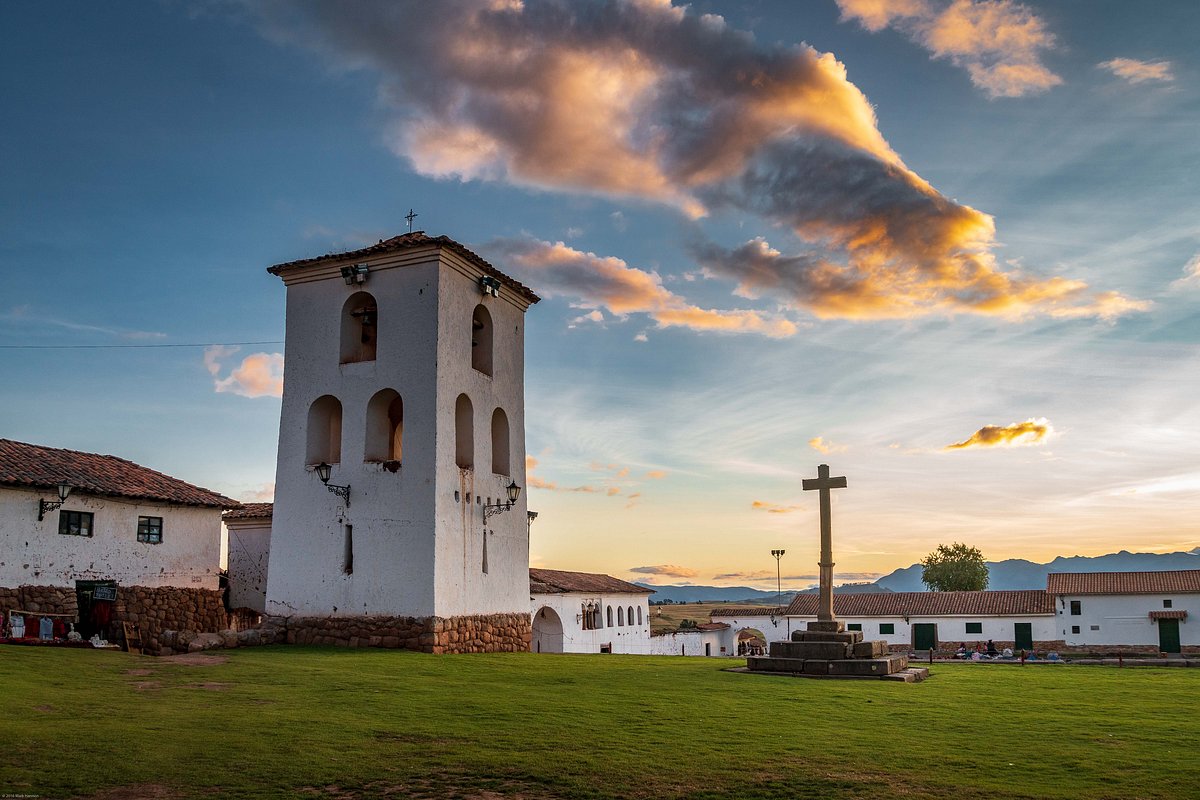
[(120, 522), (584, 612), (405, 374), (1131, 611), (99, 541), (922, 620), (706, 639), (248, 552)]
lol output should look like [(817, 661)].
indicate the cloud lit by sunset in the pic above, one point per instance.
[(1029, 432)]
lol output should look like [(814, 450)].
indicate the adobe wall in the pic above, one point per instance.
[(493, 633)]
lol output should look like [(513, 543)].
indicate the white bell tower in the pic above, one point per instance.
[(404, 391)]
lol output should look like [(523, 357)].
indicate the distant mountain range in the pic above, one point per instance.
[(1017, 573), (1014, 573)]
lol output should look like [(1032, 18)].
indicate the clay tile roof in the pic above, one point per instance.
[(37, 467), (1178, 613), (409, 241), (713, 626), (1181, 581), (556, 581), (756, 611), (925, 604), (250, 511)]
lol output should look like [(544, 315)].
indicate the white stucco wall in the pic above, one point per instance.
[(1124, 619), (775, 629), (951, 630), (568, 606), (462, 585), (249, 542), (35, 553), (688, 643), (417, 550)]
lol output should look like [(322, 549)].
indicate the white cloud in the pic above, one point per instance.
[(1133, 71)]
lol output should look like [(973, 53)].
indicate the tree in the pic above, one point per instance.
[(956, 568)]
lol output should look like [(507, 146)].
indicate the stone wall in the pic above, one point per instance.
[(47, 599), (152, 609), (950, 647), (155, 610), (1114, 650), (493, 633)]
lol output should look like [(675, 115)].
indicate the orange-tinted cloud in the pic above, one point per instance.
[(898, 272), (263, 494), (604, 281), (772, 508), (998, 42), (821, 446), (1031, 431), (259, 375), (1133, 71), (684, 110), (669, 570), (656, 474)]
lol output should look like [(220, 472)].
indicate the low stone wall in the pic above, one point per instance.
[(159, 609), (152, 609), (950, 647), (493, 633), (1114, 650), (47, 599)]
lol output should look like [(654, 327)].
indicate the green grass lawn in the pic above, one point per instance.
[(318, 722)]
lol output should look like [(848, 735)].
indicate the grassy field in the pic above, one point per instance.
[(668, 617), (318, 722)]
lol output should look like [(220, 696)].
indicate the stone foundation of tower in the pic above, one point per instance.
[(491, 633)]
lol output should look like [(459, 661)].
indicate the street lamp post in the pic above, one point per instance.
[(778, 582)]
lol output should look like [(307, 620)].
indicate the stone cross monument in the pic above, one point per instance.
[(826, 649), (823, 483)]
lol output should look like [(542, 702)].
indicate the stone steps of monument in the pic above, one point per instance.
[(849, 637), (910, 675), (851, 667)]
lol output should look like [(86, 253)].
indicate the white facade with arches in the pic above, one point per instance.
[(387, 382), (571, 613)]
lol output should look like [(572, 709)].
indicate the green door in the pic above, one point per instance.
[(1168, 635), (1023, 635), (924, 636)]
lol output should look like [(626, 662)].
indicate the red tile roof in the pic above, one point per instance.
[(756, 611), (1178, 613), (556, 581), (713, 626), (1174, 581), (409, 241), (928, 604), (37, 467), (250, 511)]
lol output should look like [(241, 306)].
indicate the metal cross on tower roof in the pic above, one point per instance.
[(410, 216)]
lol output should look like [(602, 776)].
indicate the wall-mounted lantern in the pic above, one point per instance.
[(513, 491), (64, 489), (343, 492)]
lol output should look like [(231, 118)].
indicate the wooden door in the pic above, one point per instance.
[(1023, 635), (924, 636), (1168, 635)]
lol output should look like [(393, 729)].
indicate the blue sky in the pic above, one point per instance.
[(854, 233)]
